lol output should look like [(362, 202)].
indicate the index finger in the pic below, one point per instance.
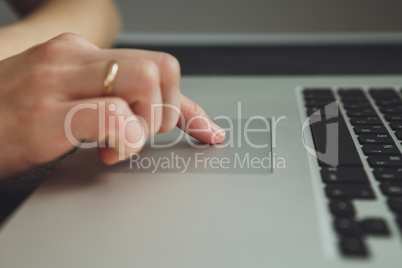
[(197, 123)]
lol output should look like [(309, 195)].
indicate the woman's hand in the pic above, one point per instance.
[(54, 91)]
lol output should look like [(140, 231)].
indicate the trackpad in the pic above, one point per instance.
[(246, 149)]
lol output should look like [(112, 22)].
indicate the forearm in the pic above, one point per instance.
[(96, 20)]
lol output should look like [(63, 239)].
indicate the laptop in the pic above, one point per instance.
[(309, 175)]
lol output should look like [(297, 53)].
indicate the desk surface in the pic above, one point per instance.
[(255, 60)]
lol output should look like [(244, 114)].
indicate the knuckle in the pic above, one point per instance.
[(147, 82), (196, 109), (170, 64), (47, 51), (58, 47), (148, 74), (74, 40), (69, 37), (117, 106)]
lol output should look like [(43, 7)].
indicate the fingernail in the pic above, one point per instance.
[(218, 131)]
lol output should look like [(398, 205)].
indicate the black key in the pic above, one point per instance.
[(393, 117), (391, 110), (357, 106), (342, 208), (385, 160), (383, 93), (398, 134), (389, 102), (371, 120), (347, 153), (308, 97), (396, 125), (391, 188), (323, 93), (351, 91), (361, 113), (318, 91), (375, 139), (344, 175), (388, 174), (372, 129), (353, 100), (331, 111), (318, 103), (349, 191), (374, 226), (346, 227), (312, 96), (381, 149), (353, 246), (395, 204)]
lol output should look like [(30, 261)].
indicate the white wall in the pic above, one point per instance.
[(255, 15), (261, 15)]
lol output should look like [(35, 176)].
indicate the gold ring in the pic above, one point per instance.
[(111, 73)]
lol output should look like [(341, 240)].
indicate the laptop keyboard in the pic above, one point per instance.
[(376, 118)]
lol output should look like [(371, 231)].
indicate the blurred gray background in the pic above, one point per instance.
[(254, 16)]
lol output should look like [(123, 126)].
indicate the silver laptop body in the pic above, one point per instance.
[(90, 215)]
